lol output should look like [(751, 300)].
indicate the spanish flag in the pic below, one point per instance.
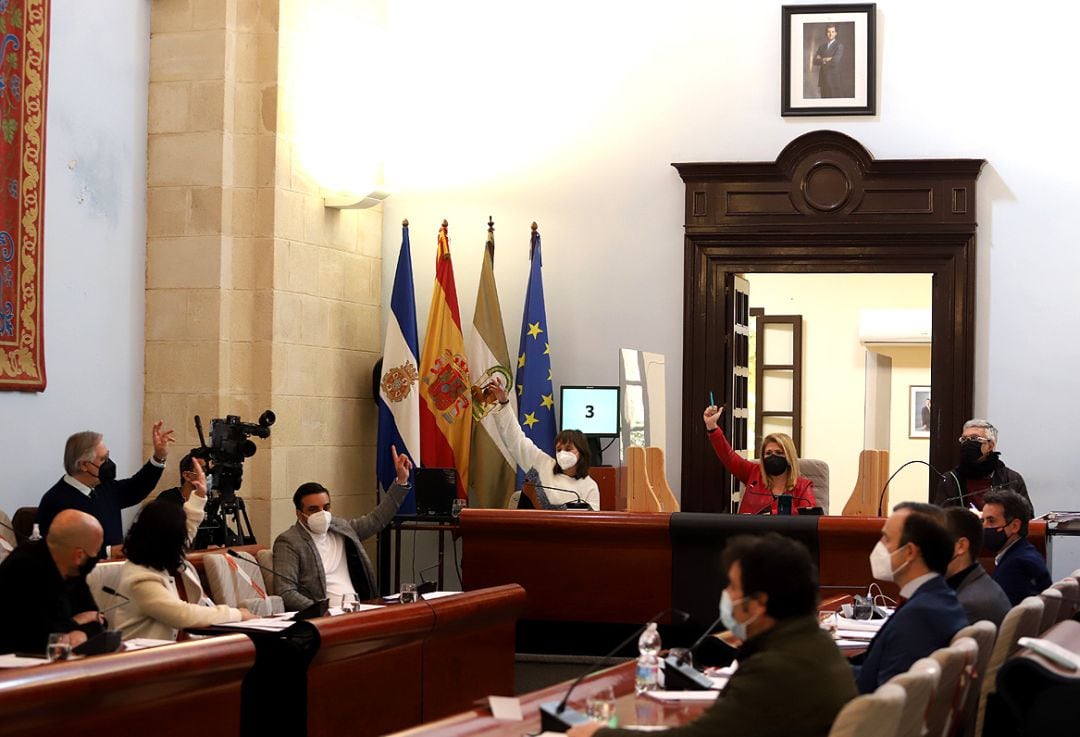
[(445, 398)]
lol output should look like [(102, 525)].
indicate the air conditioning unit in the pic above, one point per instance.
[(894, 326)]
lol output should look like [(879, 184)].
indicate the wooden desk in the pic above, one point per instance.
[(623, 567), (132, 693), (396, 667), (630, 709)]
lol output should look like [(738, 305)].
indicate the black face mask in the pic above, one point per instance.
[(970, 452), (775, 465), (994, 539), (87, 565), (106, 472)]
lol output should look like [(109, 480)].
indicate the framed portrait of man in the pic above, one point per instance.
[(919, 412), (828, 65)]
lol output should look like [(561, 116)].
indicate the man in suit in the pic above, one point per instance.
[(792, 681), (90, 484), (1021, 569), (980, 469), (830, 60), (43, 586), (979, 594), (914, 551), (323, 553)]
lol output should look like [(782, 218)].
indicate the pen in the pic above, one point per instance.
[(712, 402)]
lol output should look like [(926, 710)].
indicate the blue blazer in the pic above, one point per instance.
[(1022, 572), (925, 623)]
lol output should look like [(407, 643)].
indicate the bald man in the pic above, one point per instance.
[(43, 586)]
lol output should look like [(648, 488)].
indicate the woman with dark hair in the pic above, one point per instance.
[(563, 479), (164, 591)]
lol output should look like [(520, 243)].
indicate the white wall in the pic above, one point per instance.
[(570, 114), (95, 230)]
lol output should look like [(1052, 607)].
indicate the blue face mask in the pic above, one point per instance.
[(727, 616)]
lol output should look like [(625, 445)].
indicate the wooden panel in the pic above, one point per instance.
[(604, 476), (470, 652), (574, 566), (132, 693)]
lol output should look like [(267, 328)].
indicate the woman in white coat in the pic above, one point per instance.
[(564, 478), (164, 590)]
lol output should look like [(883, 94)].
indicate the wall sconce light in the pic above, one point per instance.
[(355, 201)]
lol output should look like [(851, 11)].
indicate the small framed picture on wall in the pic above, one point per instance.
[(828, 65), (919, 415)]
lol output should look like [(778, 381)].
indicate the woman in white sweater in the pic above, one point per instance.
[(164, 589), (566, 476)]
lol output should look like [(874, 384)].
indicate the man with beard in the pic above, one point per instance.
[(980, 470)]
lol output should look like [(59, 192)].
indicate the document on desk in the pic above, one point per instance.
[(267, 624), (427, 597), (709, 695), (11, 660), (140, 643)]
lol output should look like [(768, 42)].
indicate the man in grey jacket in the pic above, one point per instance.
[(323, 553), (978, 593)]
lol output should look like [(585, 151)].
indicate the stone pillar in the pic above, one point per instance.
[(256, 296)]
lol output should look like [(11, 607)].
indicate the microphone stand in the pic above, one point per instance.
[(680, 675), (580, 503), (317, 609), (555, 717), (881, 496)]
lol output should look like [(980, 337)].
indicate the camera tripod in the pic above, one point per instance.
[(216, 528)]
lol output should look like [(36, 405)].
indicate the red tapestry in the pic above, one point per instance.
[(24, 56)]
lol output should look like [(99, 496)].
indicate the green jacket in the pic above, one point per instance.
[(791, 682)]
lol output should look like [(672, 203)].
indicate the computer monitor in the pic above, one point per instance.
[(592, 409)]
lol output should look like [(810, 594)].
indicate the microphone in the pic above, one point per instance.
[(425, 586), (881, 497), (318, 609), (113, 592), (578, 504), (1007, 486), (680, 675), (556, 717)]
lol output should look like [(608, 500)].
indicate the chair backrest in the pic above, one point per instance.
[(1070, 598), (984, 633), (1051, 599), (1023, 620), (818, 472), (919, 684), (24, 520), (952, 685), (105, 574), (227, 585), (7, 537), (873, 715), (265, 558)]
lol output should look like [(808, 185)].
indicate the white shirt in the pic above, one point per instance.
[(913, 585), (331, 549), (997, 558)]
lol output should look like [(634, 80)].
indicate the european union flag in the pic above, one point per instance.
[(536, 398)]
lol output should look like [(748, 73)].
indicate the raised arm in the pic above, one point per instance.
[(522, 450), (736, 465)]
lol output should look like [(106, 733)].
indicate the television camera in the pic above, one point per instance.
[(226, 521)]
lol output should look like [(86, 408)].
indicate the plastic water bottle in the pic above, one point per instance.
[(35, 534), (648, 663)]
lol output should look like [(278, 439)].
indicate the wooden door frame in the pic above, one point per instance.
[(826, 206)]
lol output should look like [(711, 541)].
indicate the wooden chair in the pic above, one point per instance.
[(1051, 599), (919, 684), (984, 633), (1023, 620), (1070, 598), (954, 662), (873, 715)]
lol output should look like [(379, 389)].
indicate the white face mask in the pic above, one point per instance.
[(566, 459), (319, 522), (881, 563)]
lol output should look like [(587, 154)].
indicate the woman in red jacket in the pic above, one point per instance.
[(774, 474)]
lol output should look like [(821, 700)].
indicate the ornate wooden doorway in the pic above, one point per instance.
[(824, 206)]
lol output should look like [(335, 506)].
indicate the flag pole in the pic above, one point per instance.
[(491, 240), (532, 240)]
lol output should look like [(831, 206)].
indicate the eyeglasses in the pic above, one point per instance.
[(971, 439)]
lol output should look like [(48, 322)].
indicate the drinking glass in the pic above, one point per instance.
[(457, 506), (59, 646), (350, 603), (600, 707), (408, 593)]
